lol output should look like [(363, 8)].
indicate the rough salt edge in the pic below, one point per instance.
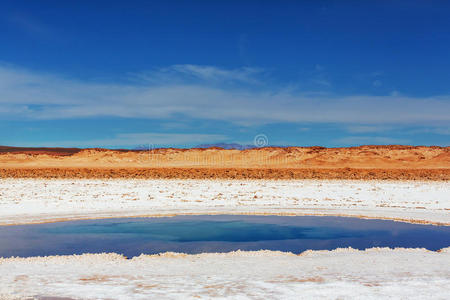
[(90, 257), (90, 275), (100, 216), (38, 219)]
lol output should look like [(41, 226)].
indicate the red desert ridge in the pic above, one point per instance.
[(364, 162)]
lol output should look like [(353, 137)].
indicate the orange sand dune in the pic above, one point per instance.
[(402, 162)]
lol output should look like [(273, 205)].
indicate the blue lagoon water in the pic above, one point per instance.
[(224, 233)]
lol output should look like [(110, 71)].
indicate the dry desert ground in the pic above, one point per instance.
[(403, 183)]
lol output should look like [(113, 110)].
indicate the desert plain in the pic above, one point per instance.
[(402, 183)]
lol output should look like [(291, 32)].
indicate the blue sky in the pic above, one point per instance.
[(183, 73)]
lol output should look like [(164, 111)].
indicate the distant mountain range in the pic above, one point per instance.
[(227, 146), (204, 146)]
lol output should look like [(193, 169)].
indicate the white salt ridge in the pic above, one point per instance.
[(343, 273), (39, 200)]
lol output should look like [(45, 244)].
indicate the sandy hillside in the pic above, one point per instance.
[(365, 162)]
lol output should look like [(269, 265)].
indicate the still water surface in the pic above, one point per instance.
[(197, 234)]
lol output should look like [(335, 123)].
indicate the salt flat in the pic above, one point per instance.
[(40, 200), (342, 273)]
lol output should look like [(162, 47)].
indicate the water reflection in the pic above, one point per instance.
[(196, 234)]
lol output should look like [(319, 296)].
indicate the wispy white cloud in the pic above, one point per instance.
[(32, 95), (243, 43), (368, 128), (321, 81), (434, 130), (211, 73), (319, 77), (205, 74), (377, 83), (134, 139), (30, 25), (372, 140)]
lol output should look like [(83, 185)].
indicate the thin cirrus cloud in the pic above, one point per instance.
[(368, 128), (148, 139), (28, 94), (374, 140), (182, 74), (30, 26), (210, 73)]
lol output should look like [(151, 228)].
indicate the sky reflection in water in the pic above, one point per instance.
[(196, 234)]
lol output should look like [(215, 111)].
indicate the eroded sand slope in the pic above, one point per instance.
[(380, 157), (365, 162)]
